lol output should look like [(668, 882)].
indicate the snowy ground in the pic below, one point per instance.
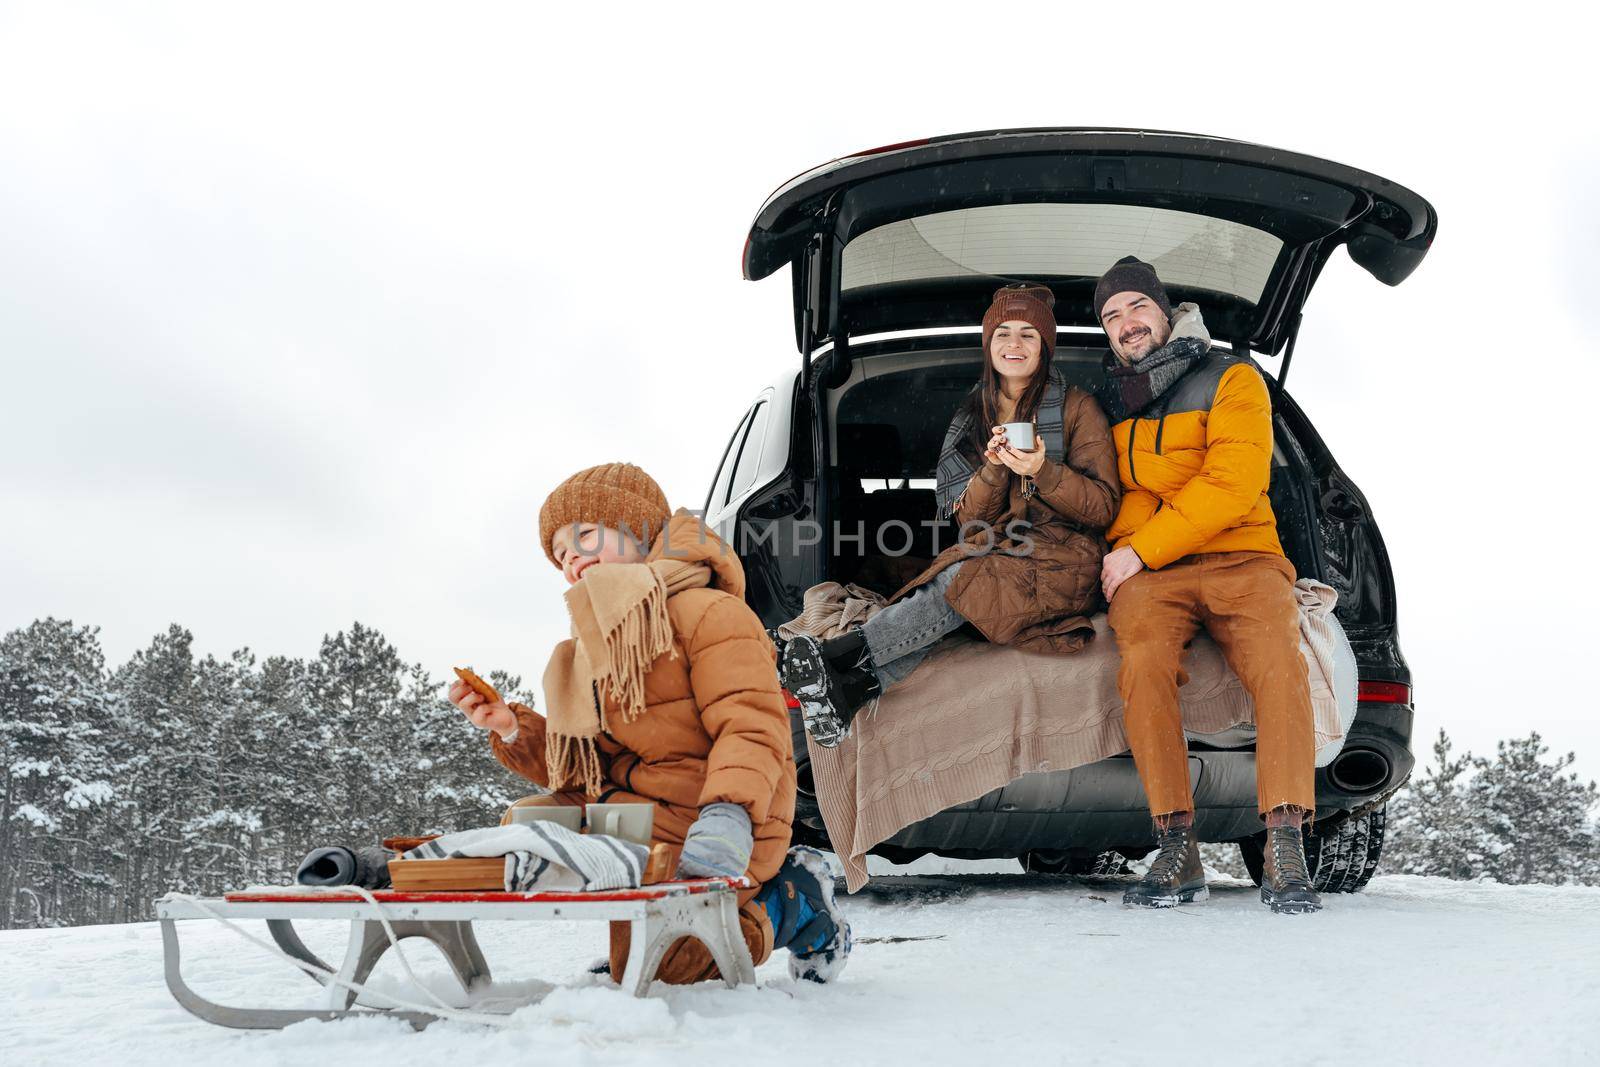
[(995, 968)]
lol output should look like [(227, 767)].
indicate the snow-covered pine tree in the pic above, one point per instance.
[(225, 812), (354, 689), (288, 775), (1515, 818), (1429, 827), (1534, 816), (165, 760), (55, 774)]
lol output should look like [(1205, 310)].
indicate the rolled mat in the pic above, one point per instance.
[(337, 865)]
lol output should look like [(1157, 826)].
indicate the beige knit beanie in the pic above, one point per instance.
[(612, 494)]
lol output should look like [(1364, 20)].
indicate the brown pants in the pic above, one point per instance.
[(687, 960), (1246, 602)]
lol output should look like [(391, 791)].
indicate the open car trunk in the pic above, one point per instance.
[(920, 235)]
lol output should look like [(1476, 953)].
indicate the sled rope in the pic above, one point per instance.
[(442, 1010)]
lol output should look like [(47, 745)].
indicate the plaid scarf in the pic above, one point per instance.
[(955, 469)]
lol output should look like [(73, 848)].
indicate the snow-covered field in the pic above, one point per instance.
[(974, 968)]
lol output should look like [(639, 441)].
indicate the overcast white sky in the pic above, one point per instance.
[(305, 308)]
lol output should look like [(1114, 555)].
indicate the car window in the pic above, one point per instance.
[(744, 470), (1065, 240), (718, 494)]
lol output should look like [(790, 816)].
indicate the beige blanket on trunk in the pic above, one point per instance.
[(974, 717)]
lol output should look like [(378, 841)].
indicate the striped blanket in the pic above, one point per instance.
[(975, 716), (546, 856)]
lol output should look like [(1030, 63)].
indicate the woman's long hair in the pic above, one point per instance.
[(984, 401)]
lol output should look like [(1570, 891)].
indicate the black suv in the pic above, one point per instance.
[(893, 256)]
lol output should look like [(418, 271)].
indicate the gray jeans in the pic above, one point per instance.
[(899, 636)]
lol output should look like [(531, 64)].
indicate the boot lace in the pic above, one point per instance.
[(1168, 865), (1288, 855)]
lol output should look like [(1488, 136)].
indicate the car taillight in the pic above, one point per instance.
[(1384, 692), (790, 701)]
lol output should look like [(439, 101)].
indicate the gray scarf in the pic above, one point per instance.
[(956, 470)]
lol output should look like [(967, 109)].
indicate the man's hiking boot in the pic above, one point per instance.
[(832, 680), (1285, 880), (1175, 877), (805, 918)]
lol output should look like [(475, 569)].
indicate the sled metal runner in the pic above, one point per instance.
[(706, 909)]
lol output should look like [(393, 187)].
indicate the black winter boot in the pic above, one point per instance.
[(1175, 877), (1285, 880), (832, 679)]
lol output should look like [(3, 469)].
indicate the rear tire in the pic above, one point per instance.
[(1342, 859), (1057, 861), (1345, 859)]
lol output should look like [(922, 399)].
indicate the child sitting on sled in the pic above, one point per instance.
[(667, 694)]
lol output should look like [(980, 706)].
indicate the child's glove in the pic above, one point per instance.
[(718, 844)]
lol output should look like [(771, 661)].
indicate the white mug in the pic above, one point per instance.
[(1019, 435), (568, 815), (631, 822)]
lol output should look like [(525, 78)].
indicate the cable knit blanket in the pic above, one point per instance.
[(975, 716)]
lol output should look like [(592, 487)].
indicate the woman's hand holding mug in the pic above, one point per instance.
[(1026, 463), (995, 449)]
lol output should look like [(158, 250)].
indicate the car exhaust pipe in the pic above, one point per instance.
[(1360, 771)]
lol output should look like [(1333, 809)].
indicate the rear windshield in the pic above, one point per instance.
[(1035, 241)]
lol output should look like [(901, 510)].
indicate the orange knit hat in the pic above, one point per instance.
[(1033, 304), (617, 495)]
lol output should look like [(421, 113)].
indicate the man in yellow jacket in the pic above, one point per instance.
[(1195, 544)]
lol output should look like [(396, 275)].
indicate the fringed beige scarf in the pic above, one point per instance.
[(619, 627)]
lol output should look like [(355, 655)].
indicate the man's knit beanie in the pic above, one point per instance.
[(617, 495), (1131, 275), (1021, 302)]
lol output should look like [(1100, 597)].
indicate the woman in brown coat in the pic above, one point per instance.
[(1026, 569)]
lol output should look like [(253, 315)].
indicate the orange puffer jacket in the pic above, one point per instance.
[(1194, 467), (715, 727)]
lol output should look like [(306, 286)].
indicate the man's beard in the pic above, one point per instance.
[(1137, 347)]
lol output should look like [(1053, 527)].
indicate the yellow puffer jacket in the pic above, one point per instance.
[(1195, 465)]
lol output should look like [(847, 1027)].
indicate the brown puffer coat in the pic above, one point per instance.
[(1039, 601), (715, 728)]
